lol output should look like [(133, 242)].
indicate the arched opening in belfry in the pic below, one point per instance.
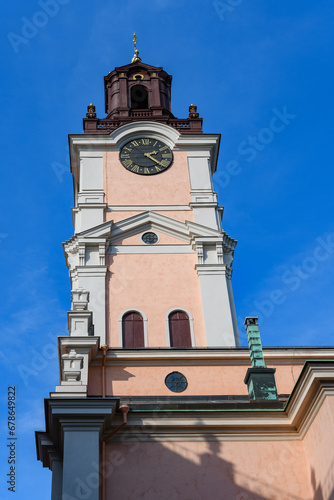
[(139, 97)]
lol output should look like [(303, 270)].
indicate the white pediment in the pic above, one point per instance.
[(100, 231), (149, 220), (187, 232)]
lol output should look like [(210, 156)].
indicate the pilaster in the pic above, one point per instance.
[(218, 321), (203, 198), (70, 444)]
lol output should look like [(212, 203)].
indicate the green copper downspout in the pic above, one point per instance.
[(260, 380)]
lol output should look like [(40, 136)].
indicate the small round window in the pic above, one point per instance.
[(176, 382), (150, 238)]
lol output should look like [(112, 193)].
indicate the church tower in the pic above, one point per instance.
[(148, 230), (152, 373)]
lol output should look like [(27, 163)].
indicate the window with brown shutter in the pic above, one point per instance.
[(133, 330), (179, 329)]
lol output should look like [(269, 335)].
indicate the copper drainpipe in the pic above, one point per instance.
[(124, 409), (103, 378)]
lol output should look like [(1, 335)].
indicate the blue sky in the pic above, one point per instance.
[(260, 73)]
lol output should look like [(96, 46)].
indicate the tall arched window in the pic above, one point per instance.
[(139, 97), (132, 330), (179, 329)]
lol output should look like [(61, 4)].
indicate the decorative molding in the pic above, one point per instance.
[(93, 198), (213, 269), (72, 364), (63, 415), (82, 254), (154, 249), (92, 271), (155, 130), (145, 208), (199, 249), (149, 220), (219, 248), (102, 254), (87, 348), (208, 356), (96, 232)]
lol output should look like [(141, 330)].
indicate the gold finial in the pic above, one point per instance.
[(136, 57)]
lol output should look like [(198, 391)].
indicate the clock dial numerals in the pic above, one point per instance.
[(146, 156)]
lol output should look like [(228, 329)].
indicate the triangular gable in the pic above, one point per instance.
[(185, 231), (149, 220)]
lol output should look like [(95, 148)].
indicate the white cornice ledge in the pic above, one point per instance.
[(89, 344), (212, 356)]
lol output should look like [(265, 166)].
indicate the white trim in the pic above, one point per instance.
[(141, 208), (191, 323), (140, 222), (146, 248), (133, 130), (120, 330), (236, 356), (84, 153), (212, 269), (100, 231)]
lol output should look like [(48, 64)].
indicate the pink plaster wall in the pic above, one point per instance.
[(171, 187), (169, 280), (237, 470), (320, 451), (207, 380), (286, 375)]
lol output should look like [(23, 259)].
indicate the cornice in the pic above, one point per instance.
[(67, 414), (209, 356)]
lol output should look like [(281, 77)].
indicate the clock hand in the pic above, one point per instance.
[(148, 155)]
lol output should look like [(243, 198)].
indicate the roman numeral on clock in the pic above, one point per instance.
[(127, 163)]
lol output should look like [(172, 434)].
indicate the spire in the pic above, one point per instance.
[(136, 57)]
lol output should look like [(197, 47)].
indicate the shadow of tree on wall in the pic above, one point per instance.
[(153, 471), (323, 491)]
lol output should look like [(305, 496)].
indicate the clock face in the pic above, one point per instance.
[(146, 156)]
